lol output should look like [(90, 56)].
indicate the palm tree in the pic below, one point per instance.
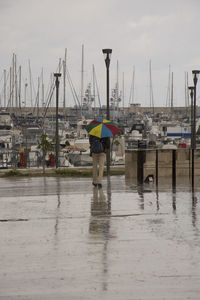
[(45, 146)]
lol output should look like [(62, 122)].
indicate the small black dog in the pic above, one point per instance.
[(149, 178)]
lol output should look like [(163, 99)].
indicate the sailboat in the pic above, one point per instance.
[(116, 97)]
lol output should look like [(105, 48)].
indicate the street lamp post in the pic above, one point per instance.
[(195, 79), (57, 75), (107, 57), (191, 88)]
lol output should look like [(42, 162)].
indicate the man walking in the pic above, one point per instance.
[(98, 148)]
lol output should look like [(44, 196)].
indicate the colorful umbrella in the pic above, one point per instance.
[(102, 128)]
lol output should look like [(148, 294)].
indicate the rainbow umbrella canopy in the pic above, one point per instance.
[(102, 128)]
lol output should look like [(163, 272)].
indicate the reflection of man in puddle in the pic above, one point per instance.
[(100, 222), (99, 228)]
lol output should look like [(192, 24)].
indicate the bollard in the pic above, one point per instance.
[(173, 168)]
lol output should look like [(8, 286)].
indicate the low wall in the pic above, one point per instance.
[(135, 159)]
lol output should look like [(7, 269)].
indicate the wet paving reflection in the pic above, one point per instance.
[(194, 207), (174, 199), (58, 205), (68, 240), (99, 226), (157, 198), (140, 190)]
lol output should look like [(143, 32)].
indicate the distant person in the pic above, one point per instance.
[(98, 148)]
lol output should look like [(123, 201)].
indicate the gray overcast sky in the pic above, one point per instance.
[(165, 32)]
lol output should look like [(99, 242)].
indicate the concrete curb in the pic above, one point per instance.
[(75, 171)]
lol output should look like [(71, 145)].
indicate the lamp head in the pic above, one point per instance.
[(107, 56), (191, 88), (195, 71), (57, 74), (195, 74), (107, 51)]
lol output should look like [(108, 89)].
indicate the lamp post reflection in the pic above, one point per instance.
[(157, 198), (99, 227), (140, 190), (58, 206), (174, 198), (194, 204), (100, 212)]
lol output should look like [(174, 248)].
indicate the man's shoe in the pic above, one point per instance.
[(95, 184), (99, 185)]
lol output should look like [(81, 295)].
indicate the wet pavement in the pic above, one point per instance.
[(63, 239)]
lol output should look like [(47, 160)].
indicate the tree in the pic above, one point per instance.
[(45, 146), (115, 141)]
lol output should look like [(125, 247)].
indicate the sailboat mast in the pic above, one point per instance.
[(132, 91), (150, 94), (19, 91), (133, 87), (117, 90), (168, 88), (123, 90), (4, 74), (151, 88), (38, 98), (64, 79), (117, 86), (42, 98), (13, 78), (97, 89), (172, 94), (15, 72), (186, 90), (59, 65), (25, 93), (186, 95), (30, 83), (82, 77), (11, 91), (94, 91)]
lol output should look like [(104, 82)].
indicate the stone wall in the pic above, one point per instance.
[(183, 162)]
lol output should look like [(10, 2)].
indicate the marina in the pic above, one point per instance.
[(99, 150), (26, 116), (139, 130)]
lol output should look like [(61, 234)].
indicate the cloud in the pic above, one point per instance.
[(160, 36), (164, 31)]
